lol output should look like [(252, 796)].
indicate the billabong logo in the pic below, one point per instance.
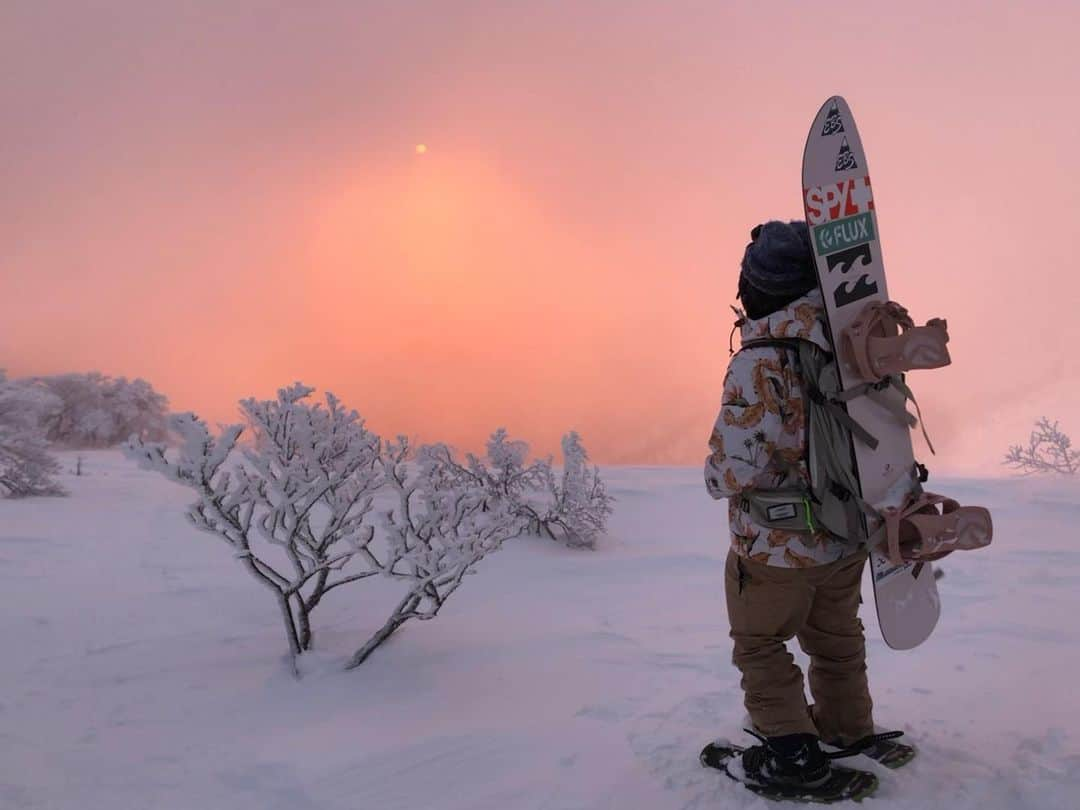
[(833, 122), (847, 292), (845, 159)]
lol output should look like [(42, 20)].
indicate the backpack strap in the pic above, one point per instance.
[(778, 343), (899, 410)]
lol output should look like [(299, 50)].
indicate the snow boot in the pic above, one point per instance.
[(792, 759)]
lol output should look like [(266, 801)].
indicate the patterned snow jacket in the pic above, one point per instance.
[(759, 439)]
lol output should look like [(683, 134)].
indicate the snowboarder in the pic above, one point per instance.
[(782, 583)]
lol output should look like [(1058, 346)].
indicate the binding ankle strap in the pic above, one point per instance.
[(869, 741)]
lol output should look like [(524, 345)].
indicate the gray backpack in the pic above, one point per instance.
[(833, 501)]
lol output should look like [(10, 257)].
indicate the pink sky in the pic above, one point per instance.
[(224, 201)]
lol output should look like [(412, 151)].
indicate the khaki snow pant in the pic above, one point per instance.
[(768, 606)]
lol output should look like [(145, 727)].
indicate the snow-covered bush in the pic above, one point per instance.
[(293, 506), (440, 527), (502, 471), (26, 468), (1048, 450), (573, 507), (94, 410), (297, 508), (579, 506)]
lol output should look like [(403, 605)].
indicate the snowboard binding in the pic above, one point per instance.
[(882, 343), (883, 340), (918, 532)]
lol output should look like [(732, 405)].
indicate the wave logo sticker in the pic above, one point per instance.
[(846, 158), (854, 266), (833, 122)]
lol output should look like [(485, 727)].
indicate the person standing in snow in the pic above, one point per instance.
[(782, 584)]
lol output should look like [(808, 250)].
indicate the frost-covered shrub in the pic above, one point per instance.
[(572, 507), (94, 410), (297, 508), (501, 471), (579, 505), (26, 468), (292, 506), (440, 527), (1048, 450)]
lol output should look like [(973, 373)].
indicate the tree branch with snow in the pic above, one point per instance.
[(572, 507), (1048, 450), (445, 520)]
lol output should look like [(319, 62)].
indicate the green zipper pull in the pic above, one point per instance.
[(809, 516)]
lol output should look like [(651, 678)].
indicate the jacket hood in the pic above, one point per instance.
[(803, 318)]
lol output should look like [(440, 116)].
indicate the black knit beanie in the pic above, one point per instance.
[(778, 266)]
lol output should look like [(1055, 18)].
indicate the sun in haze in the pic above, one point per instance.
[(421, 149)]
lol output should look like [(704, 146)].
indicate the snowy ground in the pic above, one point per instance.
[(142, 668)]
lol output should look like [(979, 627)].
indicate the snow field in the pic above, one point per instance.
[(144, 669)]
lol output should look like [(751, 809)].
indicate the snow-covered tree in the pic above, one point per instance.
[(297, 508), (1048, 450), (94, 410), (573, 507), (293, 506), (442, 525), (501, 471), (26, 468), (579, 506), (138, 410)]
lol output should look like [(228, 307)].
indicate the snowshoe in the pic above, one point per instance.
[(792, 768)]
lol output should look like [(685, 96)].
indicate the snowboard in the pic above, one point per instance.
[(839, 206), (845, 784)]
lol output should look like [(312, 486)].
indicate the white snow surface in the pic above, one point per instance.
[(142, 669)]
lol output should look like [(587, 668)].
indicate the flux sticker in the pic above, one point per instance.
[(833, 122), (844, 233), (838, 200), (846, 158)]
